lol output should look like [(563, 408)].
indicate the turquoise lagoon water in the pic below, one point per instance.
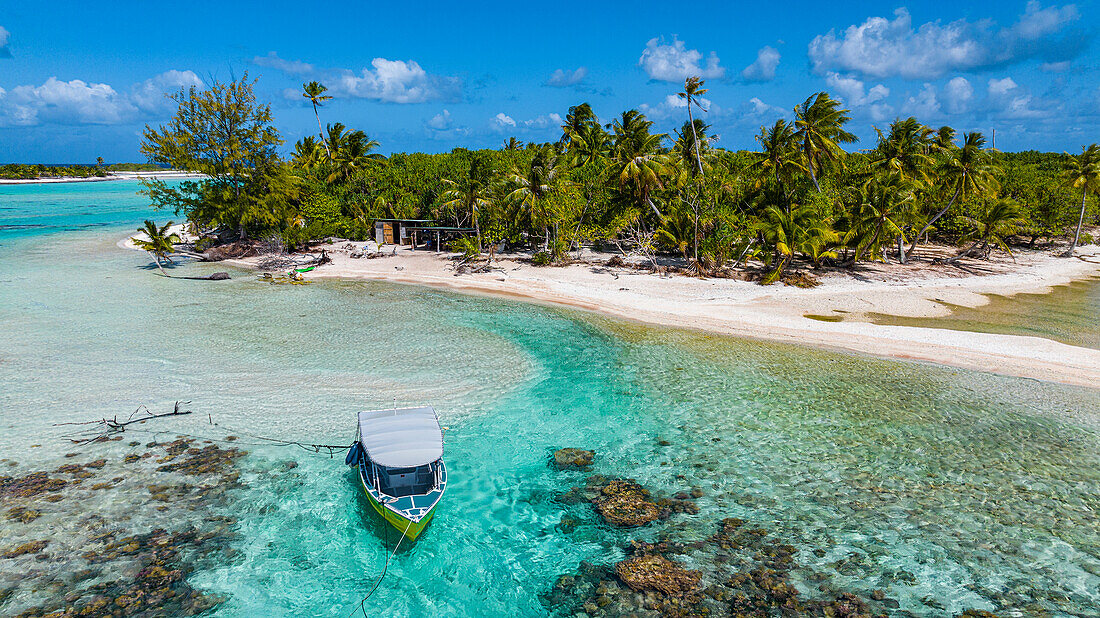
[(946, 489)]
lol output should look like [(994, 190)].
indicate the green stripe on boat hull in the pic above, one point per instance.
[(400, 523)]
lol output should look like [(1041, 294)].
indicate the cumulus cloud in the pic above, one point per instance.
[(853, 91), (923, 104), (502, 121), (293, 67), (395, 81), (676, 101), (442, 126), (151, 95), (1008, 100), (763, 69), (545, 121), (675, 63), (5, 45), (881, 47), (957, 94), (756, 107), (563, 78), (79, 102)]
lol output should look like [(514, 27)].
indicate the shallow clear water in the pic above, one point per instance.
[(945, 488), (1069, 313)]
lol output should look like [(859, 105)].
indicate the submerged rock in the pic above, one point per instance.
[(654, 572), (625, 503), (33, 547), (568, 458)]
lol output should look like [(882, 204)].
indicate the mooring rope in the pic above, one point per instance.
[(385, 567)]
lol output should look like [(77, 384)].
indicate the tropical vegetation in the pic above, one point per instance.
[(801, 197)]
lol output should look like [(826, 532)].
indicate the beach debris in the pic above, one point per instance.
[(106, 427), (658, 573), (567, 458), (800, 280), (625, 503)]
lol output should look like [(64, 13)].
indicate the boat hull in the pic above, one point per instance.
[(402, 524)]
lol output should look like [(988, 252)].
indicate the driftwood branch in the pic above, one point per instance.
[(106, 427)]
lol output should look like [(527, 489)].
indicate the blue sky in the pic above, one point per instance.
[(82, 79)]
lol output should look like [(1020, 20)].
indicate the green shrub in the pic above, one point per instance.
[(542, 258)]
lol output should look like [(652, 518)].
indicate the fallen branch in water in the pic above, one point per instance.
[(111, 426)]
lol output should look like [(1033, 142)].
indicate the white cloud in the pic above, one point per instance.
[(5, 43), (150, 95), (853, 91), (442, 126), (544, 122), (79, 102), (564, 77), (957, 95), (1055, 67), (923, 104), (1008, 100), (760, 108), (763, 69), (71, 102), (395, 81), (293, 67), (881, 47), (501, 121), (441, 121), (998, 87), (676, 101), (675, 63)]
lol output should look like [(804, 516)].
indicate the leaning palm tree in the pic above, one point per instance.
[(885, 202), (693, 91), (1082, 172), (820, 130), (991, 227), (315, 92), (158, 242), (969, 171)]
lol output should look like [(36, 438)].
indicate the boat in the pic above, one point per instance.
[(399, 456)]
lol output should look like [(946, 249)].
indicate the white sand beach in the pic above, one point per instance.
[(776, 313), (162, 175)]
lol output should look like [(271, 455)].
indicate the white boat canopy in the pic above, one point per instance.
[(402, 438)]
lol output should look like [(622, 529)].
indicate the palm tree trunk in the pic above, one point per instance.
[(156, 260), (916, 237), (320, 131), (477, 231), (1080, 222)]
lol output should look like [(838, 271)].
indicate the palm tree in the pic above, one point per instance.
[(820, 130), (798, 230), (307, 153), (589, 144), (945, 138), (997, 221), (904, 150), (577, 120), (1082, 172), (315, 92), (638, 163), (778, 157), (470, 193), (513, 144), (351, 151), (532, 184), (968, 170), (693, 90), (159, 243), (884, 204)]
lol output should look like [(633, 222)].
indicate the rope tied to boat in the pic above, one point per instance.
[(385, 568)]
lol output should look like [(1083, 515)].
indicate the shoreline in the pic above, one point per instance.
[(776, 313), (111, 176)]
